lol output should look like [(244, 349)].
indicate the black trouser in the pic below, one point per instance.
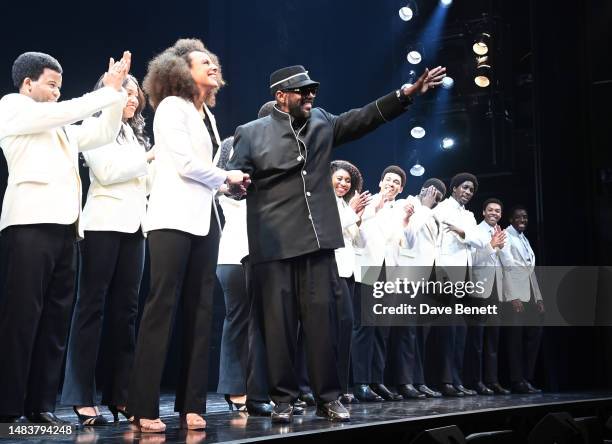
[(344, 319), (523, 342), (422, 334), (448, 348), (182, 273), (39, 267), (111, 269), (402, 359), (242, 356), (299, 290)]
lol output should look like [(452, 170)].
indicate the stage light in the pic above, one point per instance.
[(447, 143), (406, 13), (414, 57), (417, 170), (446, 3), (448, 82), (418, 132), (483, 72), (481, 44)]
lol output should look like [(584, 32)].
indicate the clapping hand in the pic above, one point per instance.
[(498, 239), (408, 212), (117, 71), (359, 201)]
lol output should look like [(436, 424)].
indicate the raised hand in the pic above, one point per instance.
[(359, 201), (117, 71), (499, 238), (408, 212), (428, 80), (428, 196)]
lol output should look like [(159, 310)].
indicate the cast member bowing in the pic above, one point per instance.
[(523, 306), (381, 232), (458, 233), (416, 261), (183, 232), (112, 263), (347, 182), (481, 357), (41, 222)]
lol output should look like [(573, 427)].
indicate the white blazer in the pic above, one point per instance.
[(519, 268), (486, 264), (185, 177), (380, 236), (345, 257), (117, 196), (454, 253), (418, 250), (41, 149), (234, 244)]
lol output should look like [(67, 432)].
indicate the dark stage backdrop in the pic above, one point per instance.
[(545, 155)]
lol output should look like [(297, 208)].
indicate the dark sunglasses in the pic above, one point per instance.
[(305, 91)]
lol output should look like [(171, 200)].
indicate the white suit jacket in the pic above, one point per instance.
[(519, 268), (380, 237), (117, 196), (41, 149), (418, 246), (345, 257), (185, 177), (454, 253), (486, 264)]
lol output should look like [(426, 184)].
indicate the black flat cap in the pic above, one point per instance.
[(289, 78)]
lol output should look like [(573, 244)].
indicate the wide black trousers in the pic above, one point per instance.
[(112, 264), (296, 290), (38, 267), (242, 366), (182, 282)]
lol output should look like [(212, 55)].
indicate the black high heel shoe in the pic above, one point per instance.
[(88, 420), (240, 407), (115, 411)]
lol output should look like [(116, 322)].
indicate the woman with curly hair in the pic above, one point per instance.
[(347, 182), (183, 232), (112, 262)]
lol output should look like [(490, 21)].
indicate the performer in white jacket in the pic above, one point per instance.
[(416, 259), (112, 263), (481, 357), (347, 183), (458, 233), (522, 302), (183, 232), (381, 231), (40, 223)]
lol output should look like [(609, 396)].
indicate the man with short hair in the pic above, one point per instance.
[(381, 231), (482, 341), (522, 304), (40, 223), (294, 226)]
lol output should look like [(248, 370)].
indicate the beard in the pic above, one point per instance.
[(297, 111)]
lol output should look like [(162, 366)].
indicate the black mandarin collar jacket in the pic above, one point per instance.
[(291, 206)]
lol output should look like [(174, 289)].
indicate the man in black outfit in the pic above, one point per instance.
[(294, 227)]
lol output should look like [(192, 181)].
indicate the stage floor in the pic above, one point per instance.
[(225, 426)]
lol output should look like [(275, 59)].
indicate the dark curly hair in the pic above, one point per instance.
[(169, 73), (137, 121), (356, 178)]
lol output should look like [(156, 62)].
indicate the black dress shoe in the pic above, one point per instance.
[(409, 392), (382, 391), (532, 388), (282, 413), (348, 398), (259, 408), (465, 391), (308, 398), (451, 391), (428, 392), (299, 403), (334, 411), (524, 388), (364, 393), (298, 410), (13, 420), (483, 390), (47, 418), (498, 389)]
